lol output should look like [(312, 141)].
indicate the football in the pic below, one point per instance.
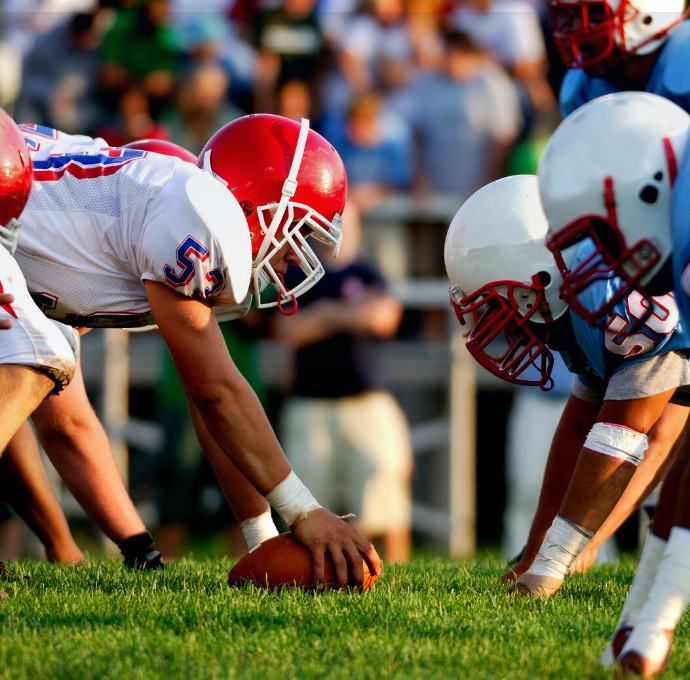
[(283, 561)]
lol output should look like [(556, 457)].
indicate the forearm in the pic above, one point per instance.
[(78, 447), (664, 440), (28, 490), (570, 435), (235, 419), (246, 502)]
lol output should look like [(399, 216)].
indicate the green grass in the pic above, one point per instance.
[(430, 619)]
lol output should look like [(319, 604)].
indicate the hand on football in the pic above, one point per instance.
[(6, 299), (322, 532)]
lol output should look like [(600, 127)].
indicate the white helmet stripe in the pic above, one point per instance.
[(289, 188)]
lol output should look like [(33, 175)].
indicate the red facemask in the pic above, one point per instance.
[(500, 324)]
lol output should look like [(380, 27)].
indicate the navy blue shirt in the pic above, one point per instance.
[(342, 365)]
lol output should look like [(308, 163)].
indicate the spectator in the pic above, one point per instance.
[(374, 52), (142, 49), (295, 101), (25, 20), (290, 47), (202, 107), (345, 436), (510, 30), (376, 148), (465, 119), (61, 93), (133, 122)]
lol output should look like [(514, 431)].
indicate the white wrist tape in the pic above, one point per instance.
[(292, 500), (563, 542), (258, 529), (644, 578), (667, 600), (617, 441)]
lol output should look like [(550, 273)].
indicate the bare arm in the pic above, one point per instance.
[(236, 421), (27, 488), (243, 498), (663, 442), (78, 447), (576, 421)]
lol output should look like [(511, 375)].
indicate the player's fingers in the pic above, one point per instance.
[(509, 577), (6, 298), (339, 562), (369, 553), (317, 552), (5, 324), (355, 559)]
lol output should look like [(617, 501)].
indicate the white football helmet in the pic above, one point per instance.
[(586, 31), (607, 173), (503, 276)]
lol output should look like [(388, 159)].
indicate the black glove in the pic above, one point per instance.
[(139, 553)]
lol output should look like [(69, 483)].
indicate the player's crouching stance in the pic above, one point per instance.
[(629, 155), (163, 241), (506, 283)]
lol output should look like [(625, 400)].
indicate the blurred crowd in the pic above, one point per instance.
[(424, 97), (421, 95)]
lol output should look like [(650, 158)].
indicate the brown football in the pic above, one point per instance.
[(283, 561)]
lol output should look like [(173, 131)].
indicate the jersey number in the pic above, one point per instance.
[(663, 321), (189, 248)]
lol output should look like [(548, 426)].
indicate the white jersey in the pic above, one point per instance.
[(100, 221)]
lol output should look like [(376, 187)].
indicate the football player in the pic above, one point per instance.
[(630, 203), (130, 238), (618, 423), (614, 45), (37, 357)]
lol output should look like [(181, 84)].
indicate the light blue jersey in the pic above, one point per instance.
[(670, 77), (680, 233), (607, 352)]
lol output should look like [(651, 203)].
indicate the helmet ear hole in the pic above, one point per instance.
[(647, 20), (649, 194), (544, 278), (247, 208)]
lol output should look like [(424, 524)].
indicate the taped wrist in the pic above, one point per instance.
[(667, 600), (644, 578), (258, 529), (563, 542), (139, 553), (617, 441), (292, 500)]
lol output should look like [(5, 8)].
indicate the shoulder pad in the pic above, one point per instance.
[(676, 78)]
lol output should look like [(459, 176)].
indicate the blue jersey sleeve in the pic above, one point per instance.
[(578, 88), (607, 352), (670, 77)]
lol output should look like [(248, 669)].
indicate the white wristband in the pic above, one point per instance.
[(292, 500), (258, 529)]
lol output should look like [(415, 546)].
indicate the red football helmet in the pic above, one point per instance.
[(16, 177), (586, 31), (162, 147), (290, 183)]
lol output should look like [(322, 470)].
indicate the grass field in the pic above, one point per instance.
[(429, 619)]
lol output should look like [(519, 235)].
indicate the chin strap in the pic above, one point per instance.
[(288, 191), (294, 300)]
